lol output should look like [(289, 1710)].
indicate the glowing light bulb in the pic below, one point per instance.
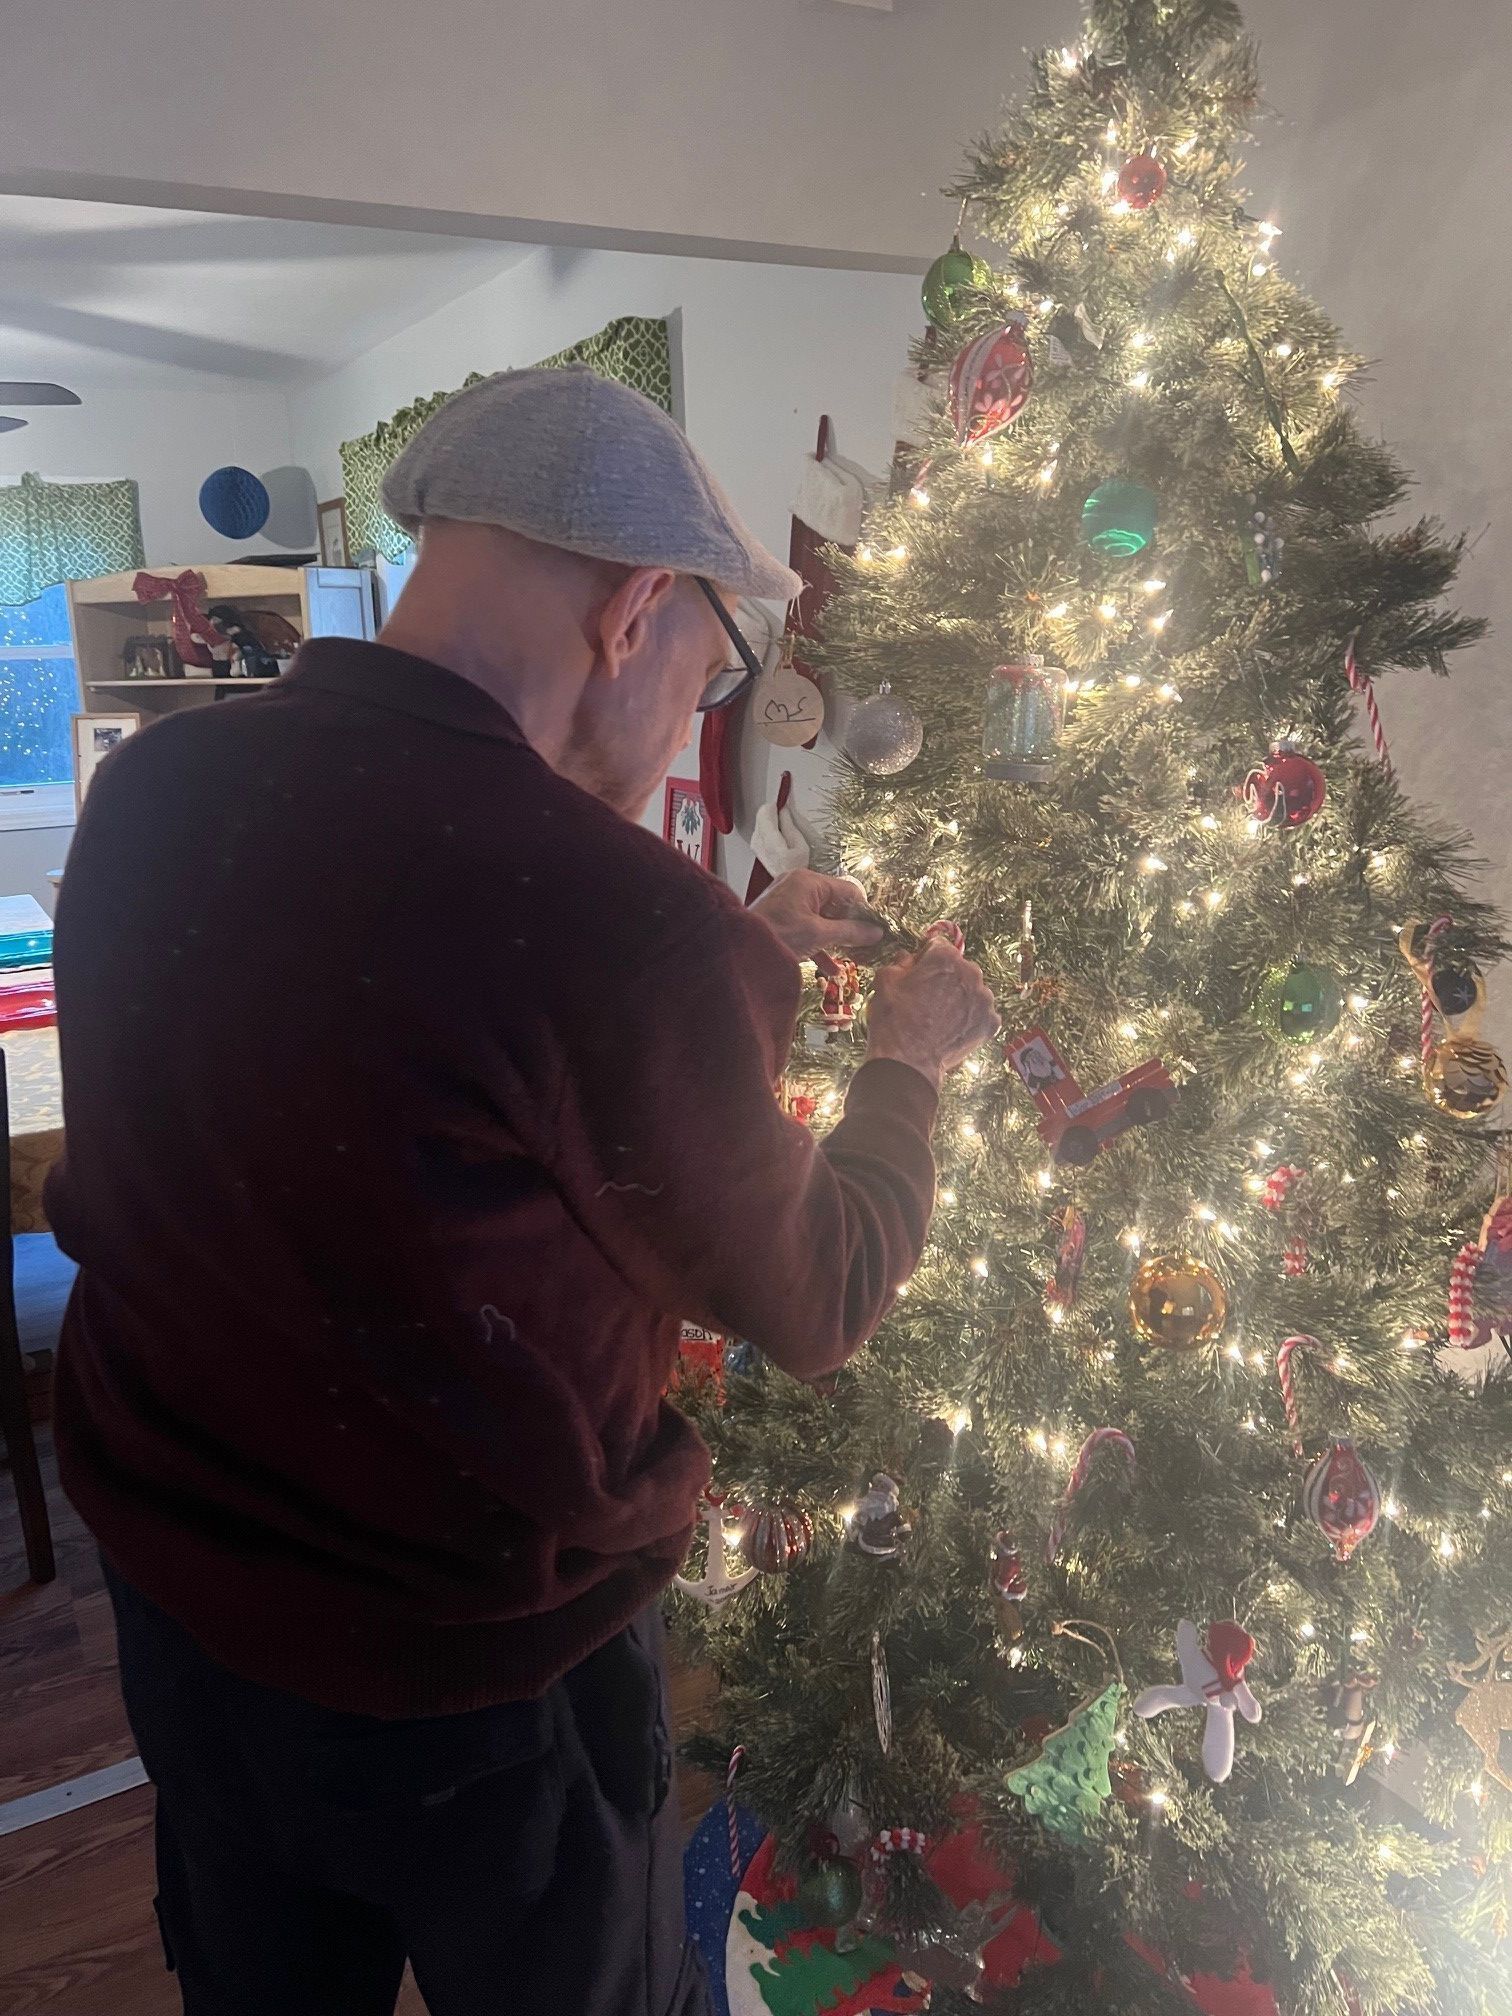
[(1413, 1340), (1128, 1030), (1236, 1352), (1160, 1799), (969, 1129), (1384, 1851), (863, 552), (1226, 1230), (1308, 1630), (1359, 1003), (1040, 1442), (1112, 133), (1056, 1312), (1070, 60), (1058, 1449), (980, 1268), (1477, 1790), (1107, 611), (1057, 610), (1446, 1545), (1205, 1213), (1153, 586), (1130, 1238), (1158, 623), (897, 552), (985, 458), (1258, 269), (1186, 147), (960, 1420), (1166, 691), (1047, 473), (1132, 679), (1214, 899), (1045, 306), (919, 498), (1268, 231), (1141, 339), (1392, 1508), (1388, 1751), (847, 1514), (1283, 349), (1139, 380), (1406, 1063), (1045, 1179), (1359, 1636), (1257, 1359), (1186, 907), (1152, 865), (947, 1197), (1208, 822), (1331, 380), (1186, 235), (1109, 179), (1254, 1184)]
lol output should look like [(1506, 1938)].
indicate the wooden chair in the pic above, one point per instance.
[(15, 1416)]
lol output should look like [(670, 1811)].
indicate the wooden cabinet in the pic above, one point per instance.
[(318, 601)]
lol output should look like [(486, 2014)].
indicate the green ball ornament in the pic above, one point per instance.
[(1301, 1003), (951, 275), (1118, 519), (830, 1894)]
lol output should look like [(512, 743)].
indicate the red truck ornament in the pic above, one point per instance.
[(1075, 1123)]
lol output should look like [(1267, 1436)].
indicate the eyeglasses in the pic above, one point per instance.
[(728, 685)]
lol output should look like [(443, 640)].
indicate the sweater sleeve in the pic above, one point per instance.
[(677, 1159)]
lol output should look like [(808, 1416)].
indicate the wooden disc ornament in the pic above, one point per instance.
[(1176, 1302), (787, 709)]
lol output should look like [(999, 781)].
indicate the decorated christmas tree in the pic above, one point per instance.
[(1169, 1443)]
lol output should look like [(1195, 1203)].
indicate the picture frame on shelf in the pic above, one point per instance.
[(686, 822), (332, 520), (94, 736)]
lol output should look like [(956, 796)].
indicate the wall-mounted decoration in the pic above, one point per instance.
[(332, 520), (686, 822), (94, 736), (234, 502)]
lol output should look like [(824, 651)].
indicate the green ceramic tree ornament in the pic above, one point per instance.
[(1066, 1782)]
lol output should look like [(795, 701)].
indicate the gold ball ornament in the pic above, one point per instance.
[(1176, 1302), (1465, 1077)]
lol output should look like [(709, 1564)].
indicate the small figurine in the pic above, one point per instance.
[(1077, 1124), (1009, 1584), (1351, 1719), (1212, 1678), (879, 1528)]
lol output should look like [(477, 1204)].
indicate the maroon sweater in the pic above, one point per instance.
[(412, 1096)]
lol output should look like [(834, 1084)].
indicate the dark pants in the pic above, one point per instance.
[(525, 1858)]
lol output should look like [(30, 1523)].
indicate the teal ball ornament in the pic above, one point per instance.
[(951, 275), (1118, 519), (1301, 1003)]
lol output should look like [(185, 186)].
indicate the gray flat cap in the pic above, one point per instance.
[(577, 461)]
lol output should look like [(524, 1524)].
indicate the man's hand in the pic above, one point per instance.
[(812, 913), (930, 1011)]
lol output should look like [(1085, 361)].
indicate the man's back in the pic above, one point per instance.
[(319, 964)]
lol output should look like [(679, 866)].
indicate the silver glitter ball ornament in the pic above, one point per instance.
[(883, 735)]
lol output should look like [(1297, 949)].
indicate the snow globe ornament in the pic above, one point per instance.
[(1342, 1498), (1118, 519), (1286, 789), (1141, 181), (953, 274), (1026, 707), (883, 734), (1177, 1302), (1301, 1003)]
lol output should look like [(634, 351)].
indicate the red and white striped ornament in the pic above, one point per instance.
[(732, 1770), (1342, 1498), (1361, 683), (1100, 1438), (990, 380), (1282, 1183), (898, 1841), (775, 1538), (1287, 1379), (1494, 1249)]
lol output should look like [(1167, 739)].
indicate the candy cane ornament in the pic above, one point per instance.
[(1279, 1185), (1284, 1374), (1361, 683), (898, 1841), (1099, 1438), (737, 1758), (1462, 1296)]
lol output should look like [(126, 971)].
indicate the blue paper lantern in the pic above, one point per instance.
[(234, 502)]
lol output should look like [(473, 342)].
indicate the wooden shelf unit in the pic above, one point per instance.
[(318, 601)]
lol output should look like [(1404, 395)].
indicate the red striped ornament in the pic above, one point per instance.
[(1100, 1438), (737, 1758), (1462, 1295), (1278, 1186), (1342, 1498), (1361, 683), (1286, 1377), (1425, 1031), (898, 1841)]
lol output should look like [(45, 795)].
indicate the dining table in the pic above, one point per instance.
[(35, 1082)]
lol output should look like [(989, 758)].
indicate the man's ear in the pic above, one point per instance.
[(626, 618)]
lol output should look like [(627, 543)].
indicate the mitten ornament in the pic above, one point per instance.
[(1212, 1678)]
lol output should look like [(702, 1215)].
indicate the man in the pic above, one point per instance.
[(413, 1094)]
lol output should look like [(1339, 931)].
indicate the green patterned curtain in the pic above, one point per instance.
[(52, 532), (635, 350)]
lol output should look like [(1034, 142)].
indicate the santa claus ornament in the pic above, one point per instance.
[(990, 382), (1212, 1678), (1286, 789)]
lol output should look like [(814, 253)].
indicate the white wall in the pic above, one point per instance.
[(169, 439), (765, 351)]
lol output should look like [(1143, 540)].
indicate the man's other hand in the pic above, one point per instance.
[(812, 913), (930, 1011)]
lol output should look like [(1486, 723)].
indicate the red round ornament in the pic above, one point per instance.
[(775, 1538), (1342, 1498), (1286, 789), (989, 383), (1141, 181)]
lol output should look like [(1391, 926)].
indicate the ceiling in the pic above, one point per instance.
[(113, 294)]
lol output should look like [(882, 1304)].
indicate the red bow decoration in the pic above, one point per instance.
[(190, 623)]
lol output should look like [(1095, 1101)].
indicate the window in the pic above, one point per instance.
[(39, 691), (392, 575)]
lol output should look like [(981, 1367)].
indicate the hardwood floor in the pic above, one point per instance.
[(77, 1933)]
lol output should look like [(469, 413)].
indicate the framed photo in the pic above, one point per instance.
[(686, 822), (333, 533), (94, 736)]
